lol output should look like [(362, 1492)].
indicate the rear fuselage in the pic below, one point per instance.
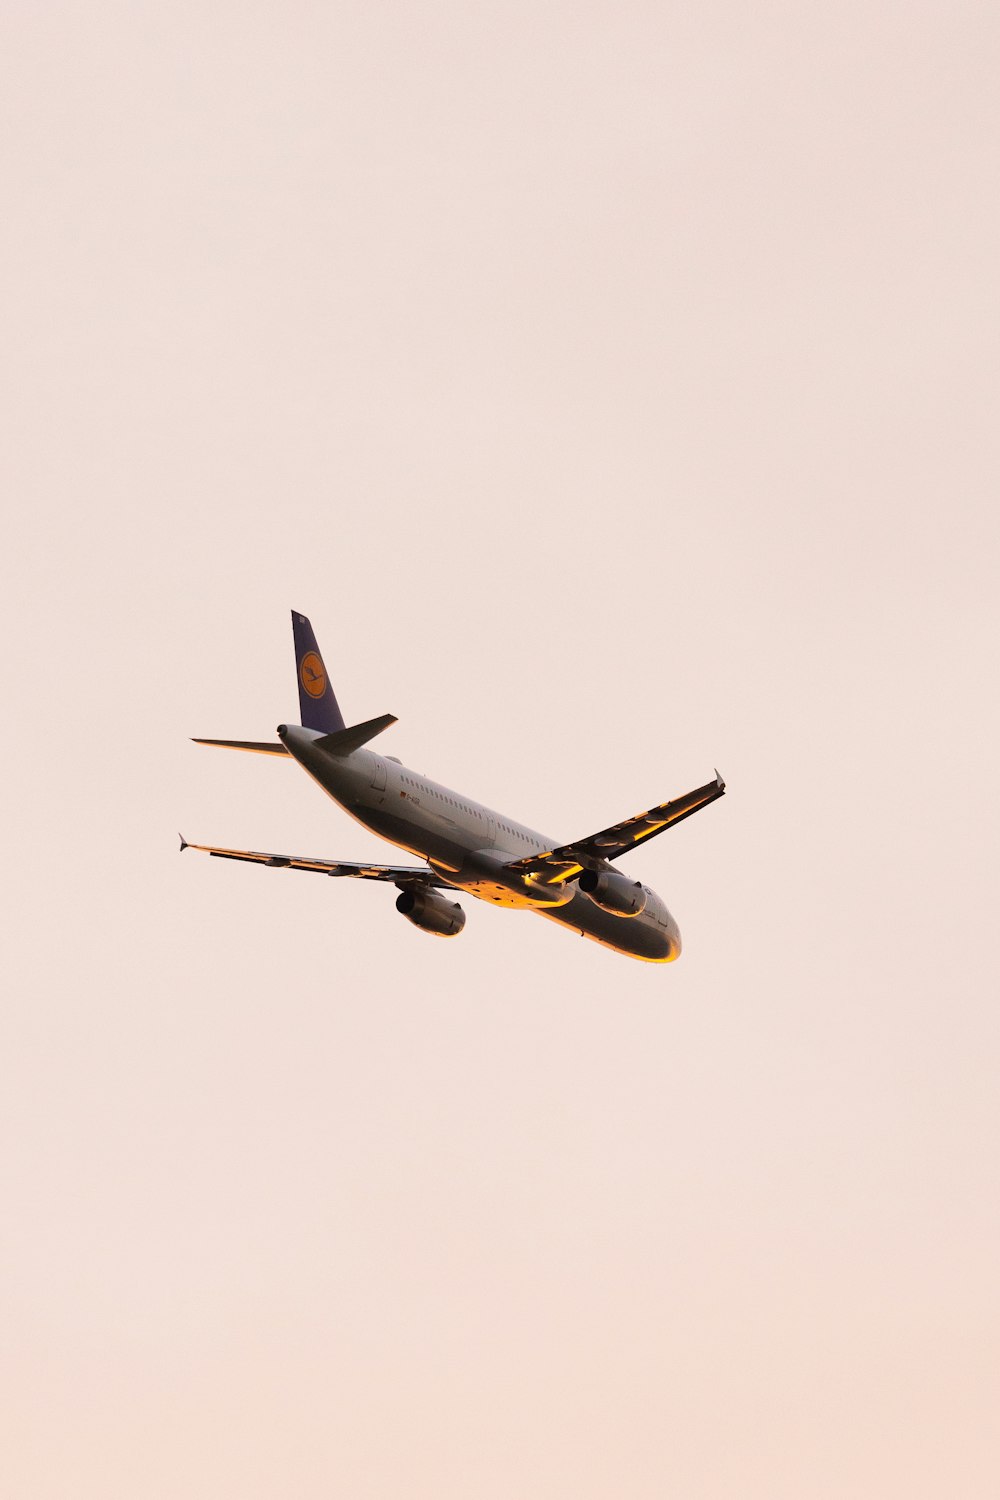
[(469, 845)]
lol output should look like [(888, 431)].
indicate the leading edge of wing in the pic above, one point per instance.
[(566, 862), (396, 874)]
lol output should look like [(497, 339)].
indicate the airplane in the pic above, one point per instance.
[(465, 846)]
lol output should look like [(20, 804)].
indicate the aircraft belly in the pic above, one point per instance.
[(494, 892)]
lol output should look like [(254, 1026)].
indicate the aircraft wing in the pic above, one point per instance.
[(402, 875), (556, 866)]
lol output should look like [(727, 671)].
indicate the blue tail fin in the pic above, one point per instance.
[(317, 702)]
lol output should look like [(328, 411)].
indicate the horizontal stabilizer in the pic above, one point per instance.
[(346, 740), (255, 746)]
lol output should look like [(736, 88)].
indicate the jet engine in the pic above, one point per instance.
[(431, 912), (613, 892)]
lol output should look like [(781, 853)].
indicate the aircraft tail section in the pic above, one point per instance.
[(347, 740), (318, 704)]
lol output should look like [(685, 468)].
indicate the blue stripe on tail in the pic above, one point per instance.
[(317, 701)]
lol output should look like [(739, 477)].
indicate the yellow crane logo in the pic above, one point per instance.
[(312, 674)]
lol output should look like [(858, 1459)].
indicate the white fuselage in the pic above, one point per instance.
[(469, 845)]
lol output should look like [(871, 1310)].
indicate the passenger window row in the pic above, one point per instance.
[(464, 807), (430, 792)]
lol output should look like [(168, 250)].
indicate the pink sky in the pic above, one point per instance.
[(615, 387)]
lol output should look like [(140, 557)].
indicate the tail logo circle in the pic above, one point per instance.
[(312, 674)]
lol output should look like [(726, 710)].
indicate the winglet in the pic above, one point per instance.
[(719, 781), (184, 843)]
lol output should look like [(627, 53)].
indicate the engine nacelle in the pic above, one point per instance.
[(613, 892), (431, 912)]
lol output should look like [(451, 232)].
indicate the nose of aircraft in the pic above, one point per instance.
[(673, 938)]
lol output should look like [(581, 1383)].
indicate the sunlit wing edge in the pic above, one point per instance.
[(569, 860)]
